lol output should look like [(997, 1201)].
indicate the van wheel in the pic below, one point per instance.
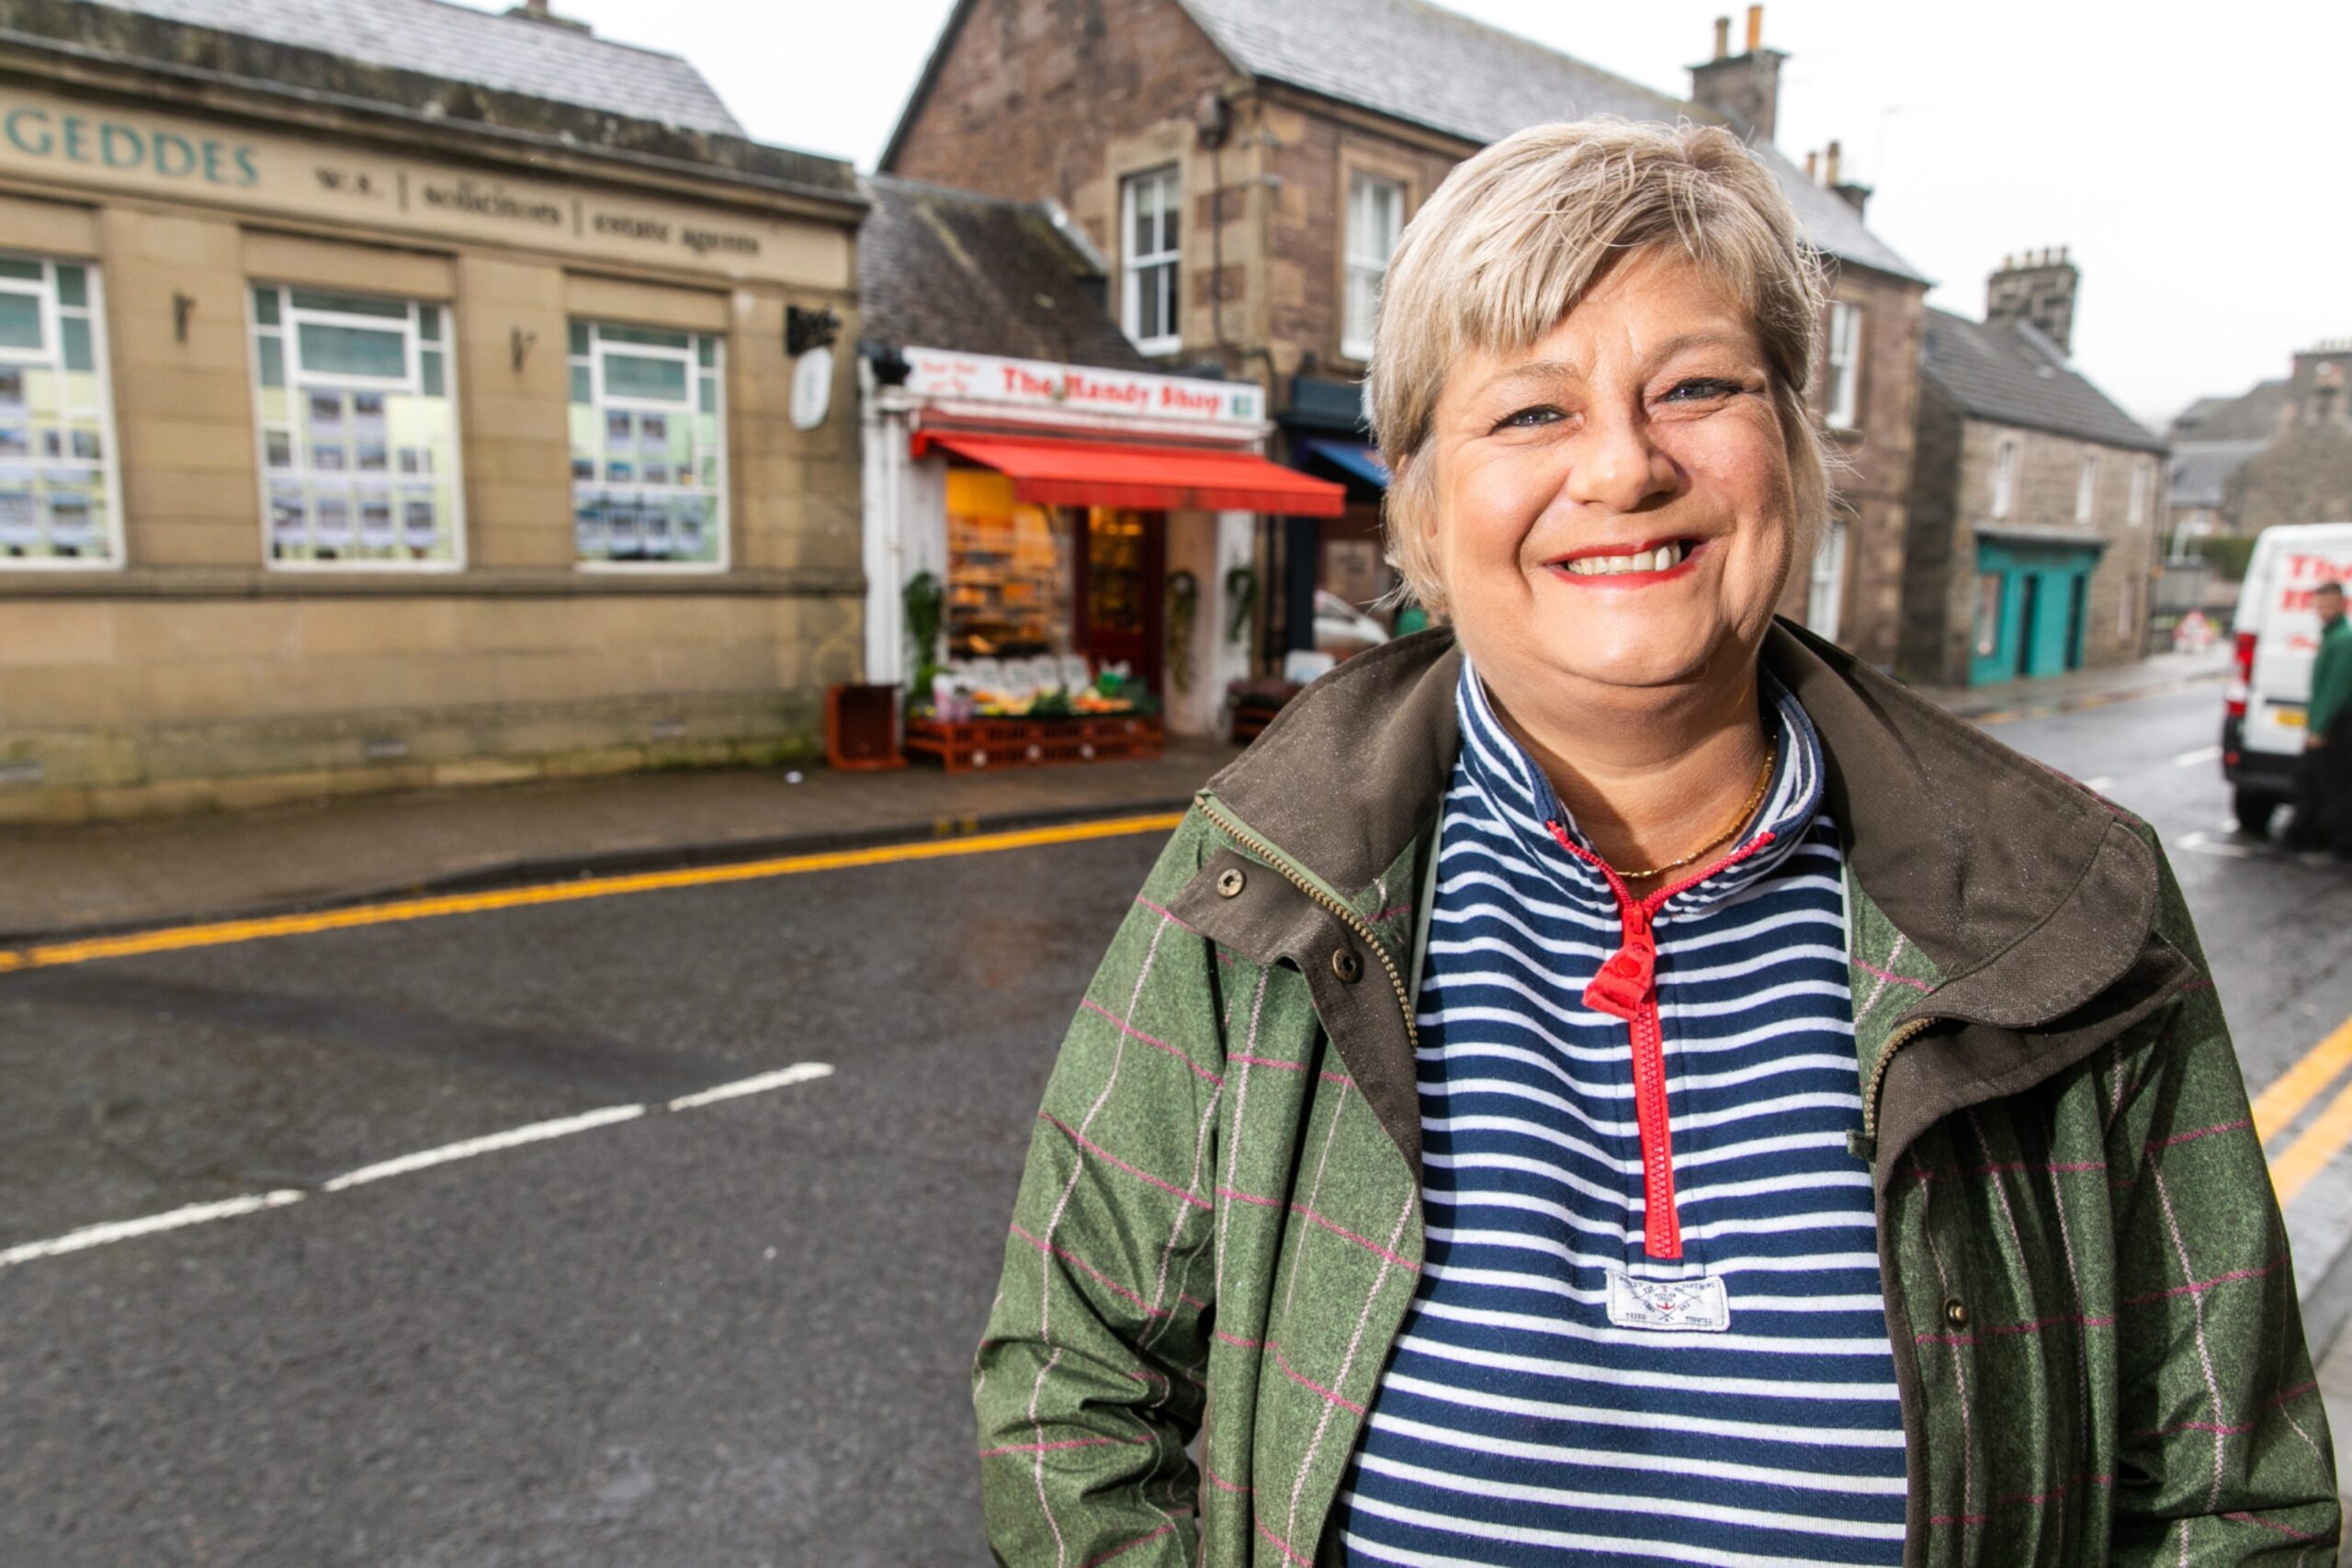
[(2255, 812)]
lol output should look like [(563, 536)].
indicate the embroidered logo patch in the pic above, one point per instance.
[(1701, 1305)]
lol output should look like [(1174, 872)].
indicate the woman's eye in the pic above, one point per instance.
[(1526, 418), (1702, 388)]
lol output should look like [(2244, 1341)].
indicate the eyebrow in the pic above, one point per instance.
[(1547, 370)]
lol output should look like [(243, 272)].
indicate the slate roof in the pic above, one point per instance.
[(2252, 415), (1420, 62), (2201, 469), (2011, 374), (941, 268), (458, 43)]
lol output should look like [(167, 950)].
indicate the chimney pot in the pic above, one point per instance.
[(1829, 164), (1812, 160), (1755, 28), (1723, 38)]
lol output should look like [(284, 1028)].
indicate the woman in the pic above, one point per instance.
[(1615, 1080)]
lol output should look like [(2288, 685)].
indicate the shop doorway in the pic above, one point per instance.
[(1121, 572), (2028, 624)]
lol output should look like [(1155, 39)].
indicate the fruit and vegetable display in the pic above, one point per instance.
[(1038, 689)]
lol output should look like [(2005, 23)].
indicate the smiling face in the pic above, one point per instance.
[(1611, 505)]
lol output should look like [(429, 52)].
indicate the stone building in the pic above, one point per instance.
[(1246, 167), (2034, 525), (2279, 453), (430, 421)]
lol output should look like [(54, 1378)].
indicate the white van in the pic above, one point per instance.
[(2277, 635)]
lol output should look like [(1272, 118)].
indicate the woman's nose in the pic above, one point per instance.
[(1614, 464)]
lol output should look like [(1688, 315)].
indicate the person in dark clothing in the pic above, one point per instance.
[(2323, 794)]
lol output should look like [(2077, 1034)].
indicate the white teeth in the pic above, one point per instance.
[(1663, 559)]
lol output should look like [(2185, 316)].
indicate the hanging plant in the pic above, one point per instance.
[(926, 605), (1183, 605), (1242, 593)]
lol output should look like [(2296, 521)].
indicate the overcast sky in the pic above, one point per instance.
[(2195, 160)]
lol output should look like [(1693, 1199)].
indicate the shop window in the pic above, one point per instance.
[(1008, 572), (1151, 206), (58, 480), (1988, 614), (358, 421), (2087, 488), (2007, 454), (648, 446), (1845, 411), (1376, 219)]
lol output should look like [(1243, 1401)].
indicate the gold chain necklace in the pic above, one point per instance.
[(1739, 820)]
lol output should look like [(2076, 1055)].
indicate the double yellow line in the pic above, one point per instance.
[(2275, 1108), (225, 934)]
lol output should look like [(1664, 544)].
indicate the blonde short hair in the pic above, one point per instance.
[(1519, 233)]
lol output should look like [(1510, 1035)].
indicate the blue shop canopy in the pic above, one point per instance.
[(1354, 458)]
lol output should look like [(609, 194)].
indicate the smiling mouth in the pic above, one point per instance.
[(1651, 561)]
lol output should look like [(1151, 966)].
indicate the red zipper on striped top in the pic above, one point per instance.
[(1626, 988)]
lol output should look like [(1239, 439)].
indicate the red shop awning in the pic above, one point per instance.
[(1086, 473)]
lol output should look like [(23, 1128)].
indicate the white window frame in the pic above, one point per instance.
[(53, 313), (1825, 604), (2136, 509), (1369, 242), (601, 402), (1162, 268), (2008, 456), (1845, 362), (411, 384), (2086, 488)]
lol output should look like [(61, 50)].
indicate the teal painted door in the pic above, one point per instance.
[(2031, 608)]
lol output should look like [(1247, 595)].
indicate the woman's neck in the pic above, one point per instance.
[(1650, 781)]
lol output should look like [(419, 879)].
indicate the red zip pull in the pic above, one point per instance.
[(1625, 982)]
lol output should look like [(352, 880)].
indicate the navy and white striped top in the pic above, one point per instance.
[(1568, 1390)]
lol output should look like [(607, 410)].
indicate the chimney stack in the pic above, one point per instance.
[(2038, 288), (1743, 88), (1829, 165), (537, 11)]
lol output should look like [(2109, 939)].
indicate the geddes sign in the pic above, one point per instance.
[(51, 139), (1034, 384)]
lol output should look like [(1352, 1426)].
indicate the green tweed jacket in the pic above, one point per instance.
[(2095, 1334)]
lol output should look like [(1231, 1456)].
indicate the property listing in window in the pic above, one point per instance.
[(358, 423), (1376, 219), (1153, 204), (58, 483), (649, 455)]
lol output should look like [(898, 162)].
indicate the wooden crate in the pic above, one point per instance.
[(975, 744)]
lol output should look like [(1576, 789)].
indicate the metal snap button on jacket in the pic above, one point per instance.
[(1347, 965), (1956, 1313), (1229, 882)]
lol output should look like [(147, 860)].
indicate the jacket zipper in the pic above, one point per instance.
[(1865, 1145), (1355, 922)]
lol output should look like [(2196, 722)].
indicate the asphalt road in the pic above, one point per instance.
[(734, 1333)]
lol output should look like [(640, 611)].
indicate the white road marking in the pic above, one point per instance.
[(2204, 845), (536, 1133), (425, 1159), (784, 1078), (124, 1230), (2099, 786), (2203, 755)]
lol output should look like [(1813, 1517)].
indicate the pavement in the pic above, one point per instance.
[(60, 881)]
